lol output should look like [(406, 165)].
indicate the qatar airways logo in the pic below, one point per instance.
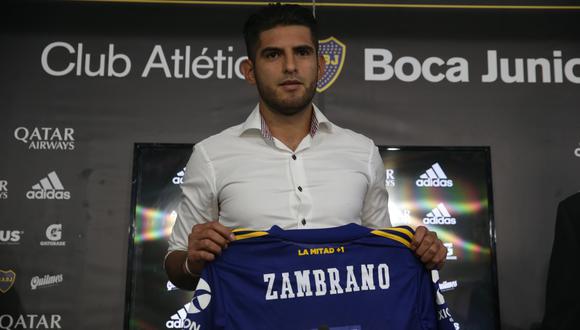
[(390, 177), (46, 138), (3, 189), (30, 321)]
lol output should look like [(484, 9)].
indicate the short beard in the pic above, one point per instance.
[(287, 108)]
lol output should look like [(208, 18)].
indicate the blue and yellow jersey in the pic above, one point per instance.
[(344, 278)]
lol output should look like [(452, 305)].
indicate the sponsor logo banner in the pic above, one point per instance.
[(390, 177), (450, 251), (178, 178), (3, 189), (46, 281), (333, 51), (447, 286), (439, 216), (7, 279), (30, 321), (54, 236), (434, 177), (49, 187), (46, 138), (11, 237)]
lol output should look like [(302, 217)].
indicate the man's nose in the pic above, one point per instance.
[(290, 63)]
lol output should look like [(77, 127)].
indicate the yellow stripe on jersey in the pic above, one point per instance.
[(251, 234), (401, 230), (393, 237), (241, 229)]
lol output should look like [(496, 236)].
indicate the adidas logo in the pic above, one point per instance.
[(439, 216), (434, 177), (179, 320), (49, 187), (178, 179)]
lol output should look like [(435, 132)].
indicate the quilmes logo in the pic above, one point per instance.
[(10, 236), (54, 236), (38, 282), (390, 177), (434, 177), (447, 286), (333, 52), (178, 178), (179, 320), (3, 189), (46, 138), (450, 252), (30, 321), (49, 187), (439, 216), (7, 279)]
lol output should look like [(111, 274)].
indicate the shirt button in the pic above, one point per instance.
[(294, 157), (304, 222), (299, 188)]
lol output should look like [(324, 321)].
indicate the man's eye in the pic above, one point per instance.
[(304, 51), (272, 55)]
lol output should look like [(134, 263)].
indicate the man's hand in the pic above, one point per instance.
[(205, 242), (429, 248)]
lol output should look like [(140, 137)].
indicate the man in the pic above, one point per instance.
[(287, 165)]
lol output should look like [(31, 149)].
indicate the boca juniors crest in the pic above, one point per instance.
[(333, 52), (7, 278)]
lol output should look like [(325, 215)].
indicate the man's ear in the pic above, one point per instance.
[(321, 66), (247, 67)]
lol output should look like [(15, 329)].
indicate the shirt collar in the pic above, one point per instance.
[(256, 122)]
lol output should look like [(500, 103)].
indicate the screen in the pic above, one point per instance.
[(447, 189)]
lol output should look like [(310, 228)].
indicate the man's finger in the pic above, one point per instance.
[(206, 256), (418, 237), (216, 238), (208, 246), (429, 253), (441, 257), (425, 244), (222, 230)]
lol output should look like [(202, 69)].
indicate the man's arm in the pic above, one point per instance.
[(205, 242), (375, 214), (192, 227)]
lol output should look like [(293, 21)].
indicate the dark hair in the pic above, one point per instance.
[(273, 15)]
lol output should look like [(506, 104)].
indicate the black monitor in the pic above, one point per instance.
[(447, 189)]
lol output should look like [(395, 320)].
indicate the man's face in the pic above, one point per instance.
[(286, 68)]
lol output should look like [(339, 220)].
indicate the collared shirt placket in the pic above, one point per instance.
[(300, 198)]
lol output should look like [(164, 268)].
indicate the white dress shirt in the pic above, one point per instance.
[(248, 179)]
